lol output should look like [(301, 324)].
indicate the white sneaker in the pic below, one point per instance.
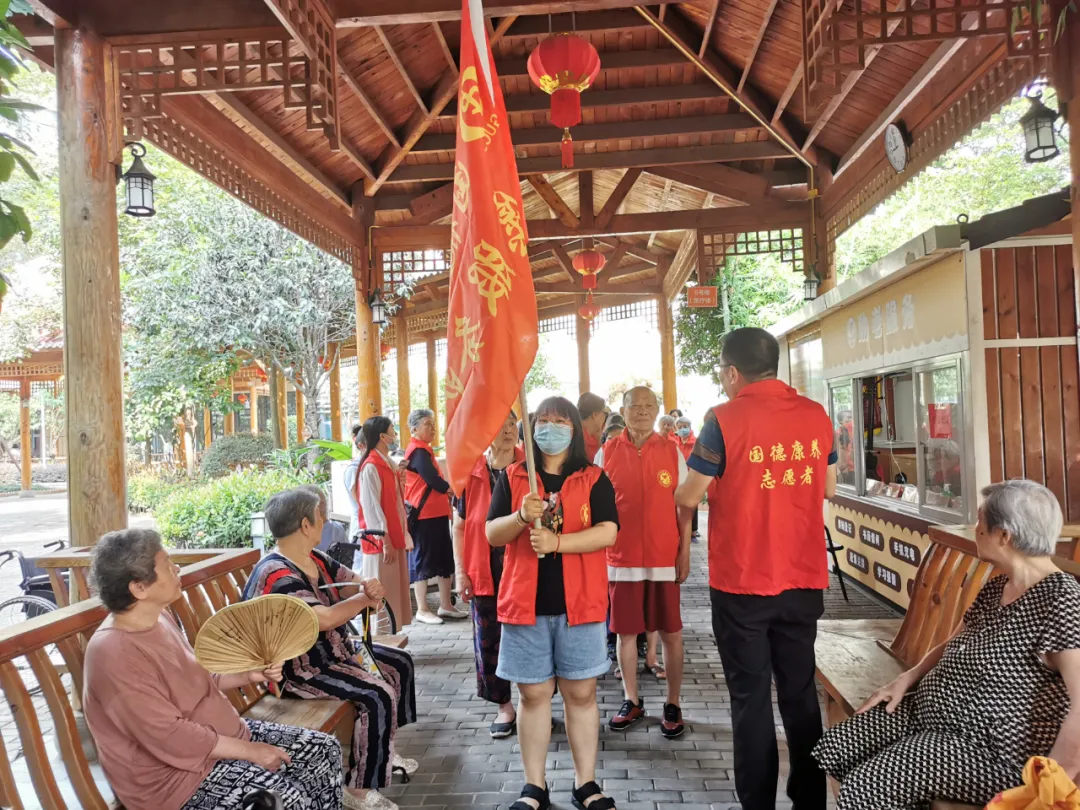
[(424, 617), (453, 614), (410, 766), (372, 801)]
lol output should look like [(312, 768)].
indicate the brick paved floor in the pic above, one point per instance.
[(461, 766)]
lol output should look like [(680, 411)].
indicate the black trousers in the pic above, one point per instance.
[(761, 638)]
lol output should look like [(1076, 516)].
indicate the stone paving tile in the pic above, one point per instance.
[(639, 769)]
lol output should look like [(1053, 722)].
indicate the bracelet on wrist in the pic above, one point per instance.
[(558, 543)]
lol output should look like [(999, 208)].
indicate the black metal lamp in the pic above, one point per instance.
[(1040, 139), (378, 307), (139, 185), (810, 286)]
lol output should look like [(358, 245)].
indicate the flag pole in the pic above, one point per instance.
[(530, 456)]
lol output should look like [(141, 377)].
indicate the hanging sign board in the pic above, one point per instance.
[(702, 296)]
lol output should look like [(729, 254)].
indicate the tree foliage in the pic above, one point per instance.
[(14, 151)]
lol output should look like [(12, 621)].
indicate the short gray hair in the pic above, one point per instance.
[(119, 559), (285, 512), (418, 416), (683, 420), (1028, 511), (667, 420)]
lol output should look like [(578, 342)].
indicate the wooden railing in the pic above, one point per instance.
[(207, 585)]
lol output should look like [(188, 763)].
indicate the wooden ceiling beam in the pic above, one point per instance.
[(757, 45), (556, 203), (635, 158), (369, 104), (661, 94), (609, 61), (734, 184), (567, 264), (789, 91), (409, 83), (358, 13), (586, 133), (622, 189), (707, 35), (631, 288), (616, 257), (442, 94), (646, 254), (448, 55), (585, 198), (663, 207), (540, 26)]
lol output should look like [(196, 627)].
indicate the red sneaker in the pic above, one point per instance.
[(672, 724), (628, 715)]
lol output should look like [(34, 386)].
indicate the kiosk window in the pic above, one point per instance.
[(889, 436), (843, 419), (940, 432)]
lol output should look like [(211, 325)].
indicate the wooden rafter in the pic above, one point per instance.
[(626, 182), (616, 257), (667, 156), (447, 53), (541, 26), (646, 254), (444, 91), (734, 184), (594, 99), (757, 45), (611, 61), (789, 92), (368, 103), (565, 262), (585, 198), (663, 207), (356, 13), (709, 28), (409, 83), (556, 203)]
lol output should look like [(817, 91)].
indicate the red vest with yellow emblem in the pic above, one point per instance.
[(437, 504), (644, 482), (389, 498), (476, 551), (584, 575), (769, 535)]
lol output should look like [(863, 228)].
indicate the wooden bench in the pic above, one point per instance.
[(207, 586)]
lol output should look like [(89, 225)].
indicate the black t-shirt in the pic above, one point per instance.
[(550, 593)]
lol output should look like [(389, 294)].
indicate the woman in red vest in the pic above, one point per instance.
[(684, 435), (382, 508), (426, 495), (479, 569), (553, 597)]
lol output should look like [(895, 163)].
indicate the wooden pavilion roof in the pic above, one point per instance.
[(697, 120)]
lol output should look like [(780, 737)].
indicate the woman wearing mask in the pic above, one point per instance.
[(352, 476), (479, 570), (429, 524), (382, 508), (553, 597)]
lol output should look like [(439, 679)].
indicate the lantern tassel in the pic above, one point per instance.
[(567, 149)]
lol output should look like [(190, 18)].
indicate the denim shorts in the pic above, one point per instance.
[(534, 653)]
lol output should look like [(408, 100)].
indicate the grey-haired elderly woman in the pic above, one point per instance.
[(1004, 687), (167, 738)]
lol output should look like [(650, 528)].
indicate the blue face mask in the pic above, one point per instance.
[(553, 438), (683, 432)]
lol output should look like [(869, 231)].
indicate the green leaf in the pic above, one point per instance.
[(8, 113), (7, 164), (26, 167), (15, 104), (21, 220)]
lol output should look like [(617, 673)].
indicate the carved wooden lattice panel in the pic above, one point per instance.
[(622, 312), (419, 324), (563, 323), (715, 246), (839, 35), (312, 24), (403, 269)]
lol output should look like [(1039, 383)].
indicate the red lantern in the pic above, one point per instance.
[(589, 310), (260, 374), (564, 66), (242, 399), (384, 349), (589, 263)]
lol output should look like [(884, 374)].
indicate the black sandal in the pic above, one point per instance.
[(587, 791), (540, 795)]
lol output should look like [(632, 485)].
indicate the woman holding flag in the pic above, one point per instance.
[(553, 596)]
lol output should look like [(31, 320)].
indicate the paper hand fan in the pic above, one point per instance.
[(253, 635)]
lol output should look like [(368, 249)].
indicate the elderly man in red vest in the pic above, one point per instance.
[(767, 454), (651, 557)]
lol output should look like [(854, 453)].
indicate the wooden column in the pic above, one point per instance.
[(335, 393), (582, 328), (208, 428), (281, 408), (667, 353), (816, 244), (1067, 83), (404, 392), (300, 428), (433, 384), (368, 366), (253, 397), (26, 458), (230, 417), (93, 369)]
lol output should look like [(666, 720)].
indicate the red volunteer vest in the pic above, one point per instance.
[(477, 550), (769, 531), (645, 482), (592, 446), (389, 498), (686, 446), (437, 504), (584, 575)]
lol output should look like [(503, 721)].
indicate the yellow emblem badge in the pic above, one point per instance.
[(585, 514), (664, 477)]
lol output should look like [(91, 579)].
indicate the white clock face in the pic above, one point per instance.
[(895, 148)]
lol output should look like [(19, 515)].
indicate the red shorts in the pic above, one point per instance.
[(637, 607)]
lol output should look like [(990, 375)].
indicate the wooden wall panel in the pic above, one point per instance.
[(1046, 290), (1026, 314), (1070, 398), (1005, 273), (1032, 411), (1012, 413), (989, 295), (1066, 291), (993, 414), (1053, 425)]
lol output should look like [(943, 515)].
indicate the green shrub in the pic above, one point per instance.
[(229, 452), (146, 491), (217, 513)]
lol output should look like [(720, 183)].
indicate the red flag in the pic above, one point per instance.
[(492, 325)]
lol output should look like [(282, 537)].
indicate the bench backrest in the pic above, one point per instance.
[(207, 586)]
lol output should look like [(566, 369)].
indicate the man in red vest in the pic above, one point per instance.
[(594, 413), (768, 455), (650, 558)]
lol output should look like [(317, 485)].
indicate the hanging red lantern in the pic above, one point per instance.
[(589, 310), (384, 349), (563, 66), (589, 263), (242, 399), (260, 374)]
